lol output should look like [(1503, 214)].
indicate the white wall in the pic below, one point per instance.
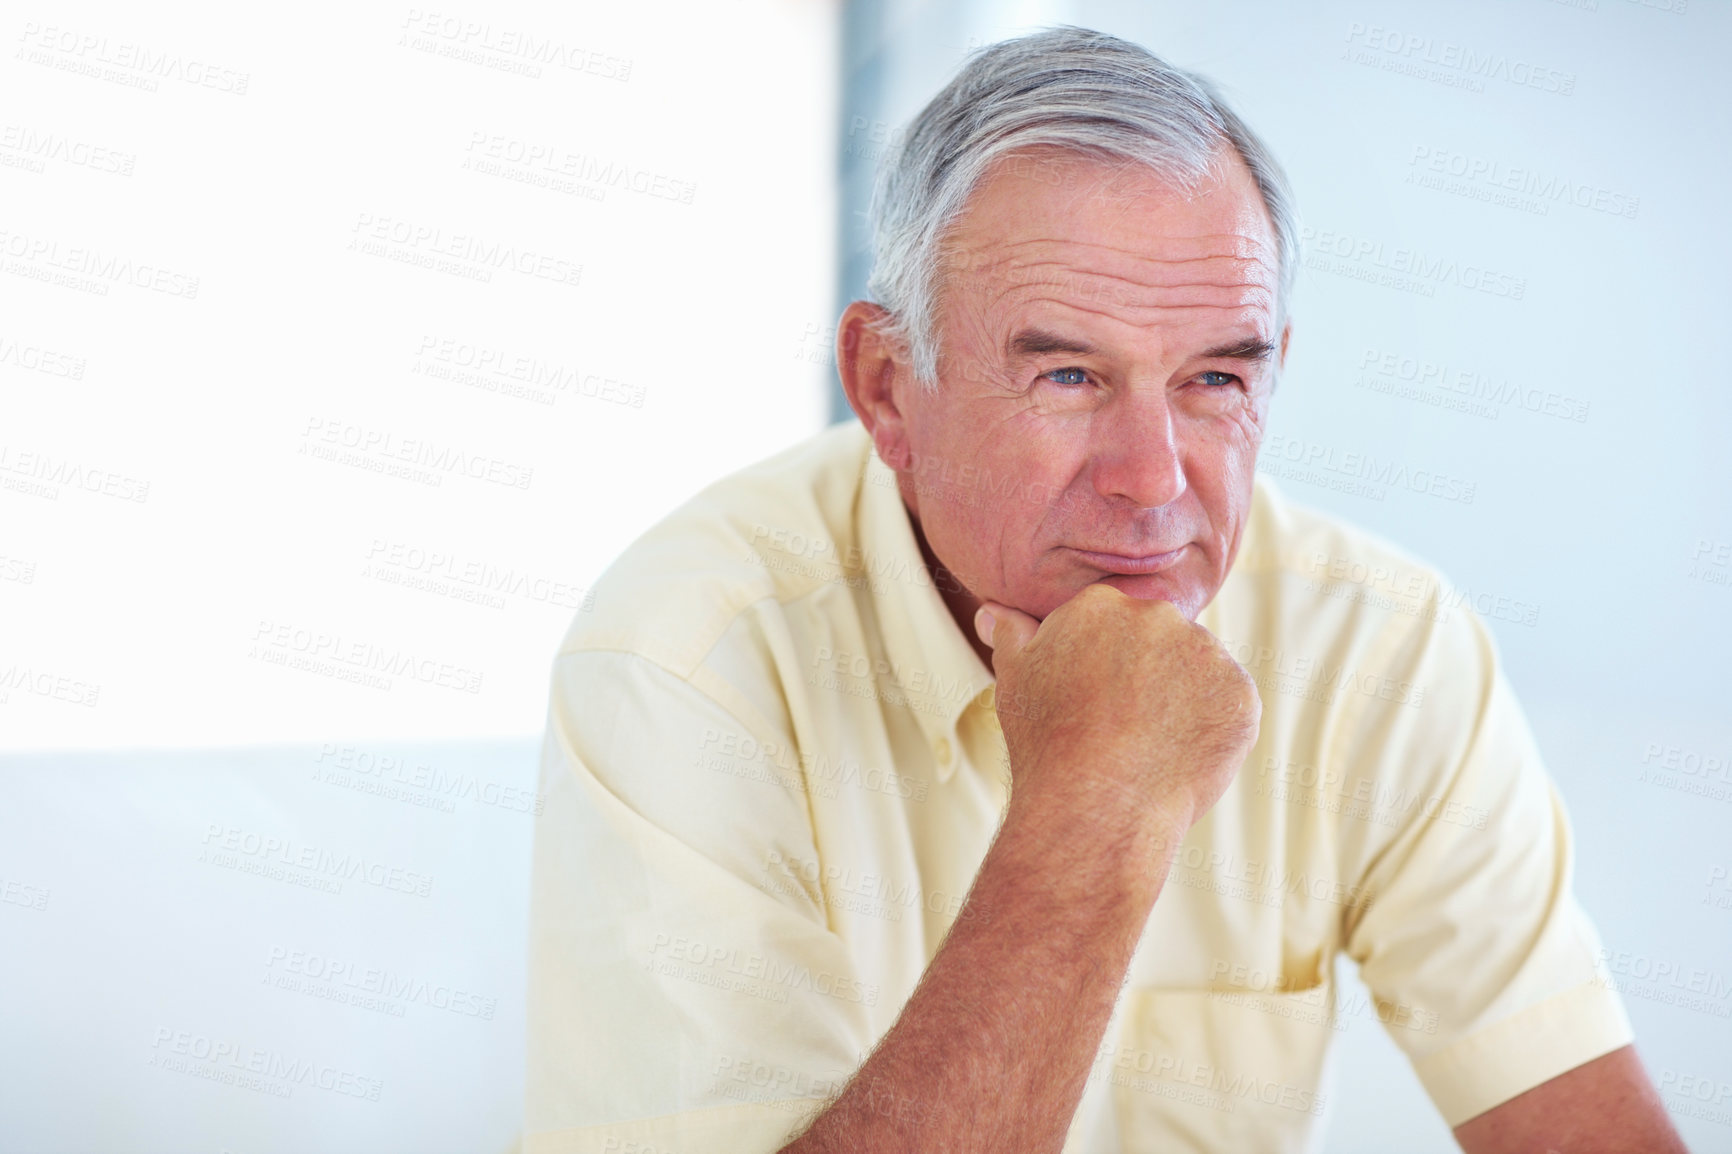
[(291, 948), (232, 667), (299, 207), (1599, 549)]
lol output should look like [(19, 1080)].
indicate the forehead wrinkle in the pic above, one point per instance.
[(1087, 282), (1173, 248), (1132, 270), (1235, 316), (1241, 315), (1142, 308), (1168, 249), (1122, 258)]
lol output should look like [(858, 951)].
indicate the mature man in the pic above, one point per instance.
[(1005, 770)]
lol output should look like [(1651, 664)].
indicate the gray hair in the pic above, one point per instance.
[(1073, 88)]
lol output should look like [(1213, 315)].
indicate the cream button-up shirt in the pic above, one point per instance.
[(773, 767)]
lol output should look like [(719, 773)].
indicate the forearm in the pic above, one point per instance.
[(1607, 1105), (993, 1050)]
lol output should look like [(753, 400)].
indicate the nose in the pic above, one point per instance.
[(1135, 450)]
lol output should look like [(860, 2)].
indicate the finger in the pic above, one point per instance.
[(986, 620), (1007, 630)]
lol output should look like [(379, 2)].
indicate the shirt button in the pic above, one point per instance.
[(943, 750)]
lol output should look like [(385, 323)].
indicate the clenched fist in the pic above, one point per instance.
[(1142, 715)]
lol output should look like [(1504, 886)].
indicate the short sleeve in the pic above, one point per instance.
[(1487, 971), (685, 993)]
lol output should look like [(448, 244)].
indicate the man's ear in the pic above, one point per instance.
[(873, 366)]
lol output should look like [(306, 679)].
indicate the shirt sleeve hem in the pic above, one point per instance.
[(1535, 1045)]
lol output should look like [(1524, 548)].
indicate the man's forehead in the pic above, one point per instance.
[(1028, 242), (1206, 285), (1216, 259), (1095, 234)]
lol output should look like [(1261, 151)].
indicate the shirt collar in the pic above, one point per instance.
[(932, 662)]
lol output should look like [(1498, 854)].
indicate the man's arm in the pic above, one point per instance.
[(1606, 1105), (993, 1049), (1471, 918), (1145, 719)]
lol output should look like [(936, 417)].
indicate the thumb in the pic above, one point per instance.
[(1007, 630)]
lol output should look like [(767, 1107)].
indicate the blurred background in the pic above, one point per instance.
[(343, 346)]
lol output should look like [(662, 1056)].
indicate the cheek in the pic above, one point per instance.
[(991, 519), (1230, 460), (1227, 448), (1248, 423), (1220, 470)]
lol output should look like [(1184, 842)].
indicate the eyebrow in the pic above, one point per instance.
[(1038, 342), (1249, 349)]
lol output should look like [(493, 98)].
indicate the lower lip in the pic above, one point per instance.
[(1116, 563)]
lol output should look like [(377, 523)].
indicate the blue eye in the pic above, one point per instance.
[(1226, 378), (1067, 376)]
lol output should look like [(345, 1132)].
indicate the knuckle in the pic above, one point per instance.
[(1096, 593)]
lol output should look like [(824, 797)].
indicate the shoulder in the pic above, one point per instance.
[(758, 534), (1332, 610), (1295, 539)]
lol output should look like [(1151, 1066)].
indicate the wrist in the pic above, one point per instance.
[(1089, 842), (1108, 810)]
